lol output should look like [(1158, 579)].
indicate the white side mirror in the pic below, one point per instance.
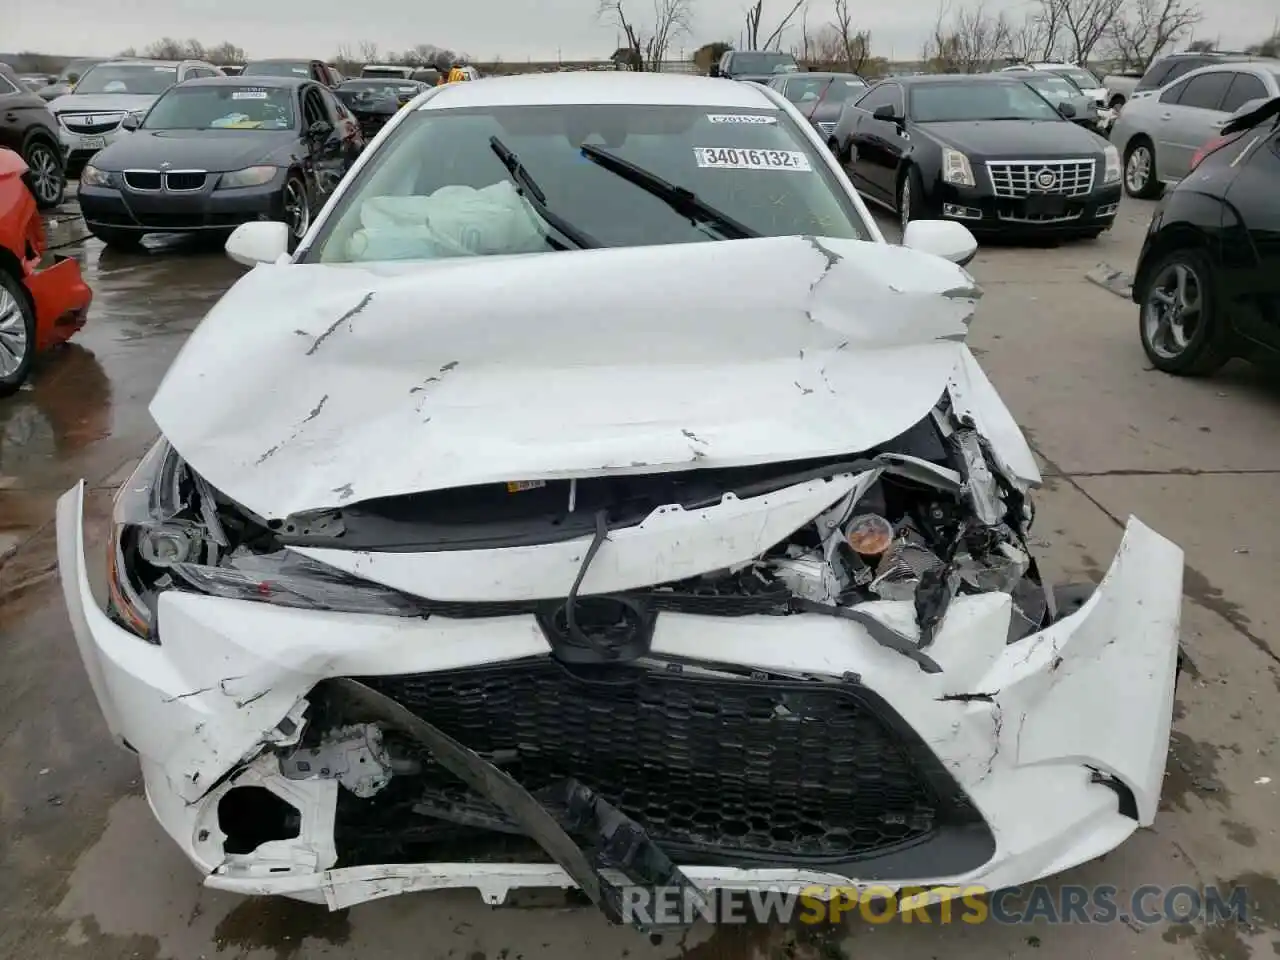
[(943, 238), (259, 241)]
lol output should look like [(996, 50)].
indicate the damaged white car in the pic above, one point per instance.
[(462, 563)]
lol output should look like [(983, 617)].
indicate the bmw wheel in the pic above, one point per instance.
[(297, 210)]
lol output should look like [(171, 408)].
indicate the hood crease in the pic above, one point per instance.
[(314, 386)]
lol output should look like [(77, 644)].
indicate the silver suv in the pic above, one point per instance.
[(95, 113)]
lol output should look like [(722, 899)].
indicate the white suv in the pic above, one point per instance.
[(98, 109)]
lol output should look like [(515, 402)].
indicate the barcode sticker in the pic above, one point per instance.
[(736, 159), (740, 118)]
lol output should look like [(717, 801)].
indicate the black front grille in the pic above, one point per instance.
[(142, 179), (716, 768), (184, 181)]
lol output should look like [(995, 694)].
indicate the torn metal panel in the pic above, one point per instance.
[(868, 329), (1028, 759)]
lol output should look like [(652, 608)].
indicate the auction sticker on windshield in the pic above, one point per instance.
[(740, 118), (737, 159), (249, 95)]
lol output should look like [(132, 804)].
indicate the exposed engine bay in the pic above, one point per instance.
[(930, 515)]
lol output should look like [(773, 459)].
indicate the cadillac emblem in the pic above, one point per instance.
[(1046, 178)]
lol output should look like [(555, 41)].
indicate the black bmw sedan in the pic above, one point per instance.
[(987, 151), (1207, 282), (214, 153)]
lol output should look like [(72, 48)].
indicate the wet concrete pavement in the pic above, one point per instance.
[(85, 871)]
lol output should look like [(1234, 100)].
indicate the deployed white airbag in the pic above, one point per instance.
[(454, 221)]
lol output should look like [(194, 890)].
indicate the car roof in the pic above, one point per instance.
[(821, 73), (1256, 65), (241, 81), (923, 79), (140, 62), (283, 60), (602, 87)]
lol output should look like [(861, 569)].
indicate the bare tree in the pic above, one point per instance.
[(166, 48), (773, 40), (225, 53), (1034, 40), (647, 45), (855, 45), (1145, 27), (972, 41), (1085, 23), (1202, 46), (368, 51)]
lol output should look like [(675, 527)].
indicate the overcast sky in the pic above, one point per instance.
[(512, 29)]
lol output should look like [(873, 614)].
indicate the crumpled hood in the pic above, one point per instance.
[(311, 386)]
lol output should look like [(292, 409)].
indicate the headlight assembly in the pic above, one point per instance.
[(248, 177), (171, 531), (956, 169), (91, 176), (1111, 168)]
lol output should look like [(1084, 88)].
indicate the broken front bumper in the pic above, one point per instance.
[(1055, 744)]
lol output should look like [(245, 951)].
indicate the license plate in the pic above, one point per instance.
[(92, 143), (1046, 205)]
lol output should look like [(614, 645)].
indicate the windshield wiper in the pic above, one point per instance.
[(528, 188), (679, 199)]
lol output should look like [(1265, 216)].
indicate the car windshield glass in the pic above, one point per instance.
[(1080, 77), (74, 70), (980, 100), (437, 189), (389, 87), (222, 107), (141, 78), (761, 62), (808, 90), (1057, 89), (278, 68)]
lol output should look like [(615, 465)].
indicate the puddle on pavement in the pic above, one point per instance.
[(1234, 939), (97, 387), (281, 925), (1191, 770)]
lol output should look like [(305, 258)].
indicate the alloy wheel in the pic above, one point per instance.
[(46, 177), (1171, 313), (297, 211), (1138, 170), (13, 333)]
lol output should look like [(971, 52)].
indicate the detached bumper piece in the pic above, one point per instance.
[(602, 837), (745, 770)]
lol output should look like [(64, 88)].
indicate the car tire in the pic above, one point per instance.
[(295, 202), (46, 174), (17, 334), (1140, 180), (1182, 280), (118, 239), (910, 197)]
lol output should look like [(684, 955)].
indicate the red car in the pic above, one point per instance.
[(39, 308)]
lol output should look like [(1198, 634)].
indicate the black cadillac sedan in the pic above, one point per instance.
[(375, 100), (989, 152), (1207, 283), (820, 96), (213, 153)]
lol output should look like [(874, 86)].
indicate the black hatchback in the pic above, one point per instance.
[(1207, 282)]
